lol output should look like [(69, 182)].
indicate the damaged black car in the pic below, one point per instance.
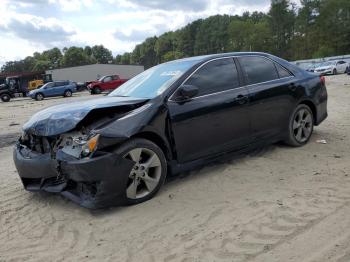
[(118, 149)]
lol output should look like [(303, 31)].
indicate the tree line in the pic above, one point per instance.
[(318, 28)]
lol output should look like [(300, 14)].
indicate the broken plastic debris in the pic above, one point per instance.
[(321, 141)]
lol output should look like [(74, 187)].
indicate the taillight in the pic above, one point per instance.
[(323, 80)]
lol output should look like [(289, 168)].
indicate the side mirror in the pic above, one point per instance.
[(186, 92)]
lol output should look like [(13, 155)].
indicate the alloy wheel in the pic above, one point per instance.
[(146, 173), (302, 125), (39, 97)]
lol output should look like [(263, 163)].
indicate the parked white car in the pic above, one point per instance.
[(332, 67)]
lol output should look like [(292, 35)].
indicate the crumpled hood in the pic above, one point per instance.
[(65, 117)]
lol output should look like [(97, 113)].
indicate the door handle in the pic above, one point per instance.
[(241, 99)]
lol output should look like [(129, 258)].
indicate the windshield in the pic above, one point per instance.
[(50, 84), (101, 79), (155, 80)]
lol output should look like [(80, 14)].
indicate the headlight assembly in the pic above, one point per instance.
[(79, 145), (91, 145)]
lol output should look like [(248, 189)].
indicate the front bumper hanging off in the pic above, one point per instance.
[(95, 182)]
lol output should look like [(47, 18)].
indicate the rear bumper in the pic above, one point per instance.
[(321, 107), (96, 182)]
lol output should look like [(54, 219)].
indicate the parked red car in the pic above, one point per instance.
[(105, 83)]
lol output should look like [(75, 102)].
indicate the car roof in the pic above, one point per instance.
[(204, 58)]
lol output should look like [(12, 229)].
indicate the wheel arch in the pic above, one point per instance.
[(158, 140), (5, 93), (312, 107)]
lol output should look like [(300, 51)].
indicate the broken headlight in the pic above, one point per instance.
[(79, 145)]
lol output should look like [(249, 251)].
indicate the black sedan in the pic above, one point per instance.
[(118, 150)]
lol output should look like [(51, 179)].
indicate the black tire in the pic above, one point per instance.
[(335, 72), (5, 97), (39, 97), (96, 90), (304, 126), (67, 93), (140, 143)]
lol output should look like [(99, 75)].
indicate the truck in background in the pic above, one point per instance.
[(105, 83)]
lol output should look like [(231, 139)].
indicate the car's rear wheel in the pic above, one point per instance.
[(301, 126), (5, 98), (149, 172), (39, 97), (67, 93)]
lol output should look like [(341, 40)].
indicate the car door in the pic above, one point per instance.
[(59, 88), (341, 66), (271, 90), (115, 82), (107, 82), (217, 118), (49, 89)]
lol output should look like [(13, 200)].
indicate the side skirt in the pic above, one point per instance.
[(175, 167)]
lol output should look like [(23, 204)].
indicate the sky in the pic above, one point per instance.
[(27, 26)]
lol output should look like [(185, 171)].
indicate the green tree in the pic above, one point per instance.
[(75, 56), (281, 20), (101, 54), (212, 35)]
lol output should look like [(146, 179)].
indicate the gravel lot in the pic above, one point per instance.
[(276, 204)]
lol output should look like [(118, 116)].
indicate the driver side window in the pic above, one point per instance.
[(215, 76), (107, 79)]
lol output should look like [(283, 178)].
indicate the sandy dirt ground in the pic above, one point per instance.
[(276, 204)]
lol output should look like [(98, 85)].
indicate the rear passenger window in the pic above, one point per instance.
[(258, 69), (282, 71), (218, 75)]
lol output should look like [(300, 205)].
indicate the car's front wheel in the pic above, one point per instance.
[(67, 93), (96, 91), (301, 126), (335, 72), (149, 171), (5, 97), (39, 97)]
